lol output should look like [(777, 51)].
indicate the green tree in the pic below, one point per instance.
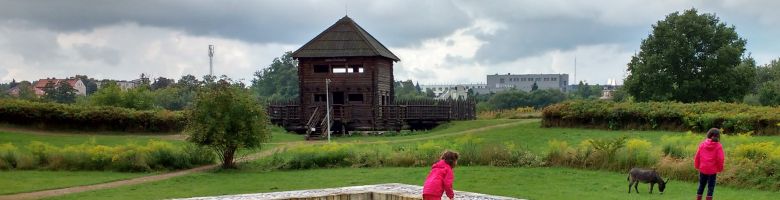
[(171, 98), (189, 83), (26, 91), (767, 73), (61, 92), (542, 98), (139, 98), (225, 117), (108, 95), (586, 91), (534, 87), (406, 90), (690, 57), (769, 94), (508, 100), (429, 93), (620, 95), (162, 82), (279, 80)]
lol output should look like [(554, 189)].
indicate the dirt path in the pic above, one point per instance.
[(146, 179)]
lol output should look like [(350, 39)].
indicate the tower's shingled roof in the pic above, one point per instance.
[(345, 38)]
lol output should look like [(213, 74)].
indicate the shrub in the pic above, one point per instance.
[(698, 117), (755, 151), (7, 156), (681, 146), (90, 118), (558, 152), (678, 168), (638, 153)]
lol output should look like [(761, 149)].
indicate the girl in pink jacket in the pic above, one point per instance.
[(440, 178), (709, 161)]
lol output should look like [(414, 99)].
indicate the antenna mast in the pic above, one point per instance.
[(211, 60), (575, 70)]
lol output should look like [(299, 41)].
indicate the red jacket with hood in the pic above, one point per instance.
[(439, 180), (709, 158)]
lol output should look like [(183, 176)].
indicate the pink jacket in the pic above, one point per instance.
[(709, 158), (439, 180)]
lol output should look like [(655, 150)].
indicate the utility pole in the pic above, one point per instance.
[(327, 106), (211, 60)]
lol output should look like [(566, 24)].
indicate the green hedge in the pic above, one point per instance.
[(90, 118), (734, 118)]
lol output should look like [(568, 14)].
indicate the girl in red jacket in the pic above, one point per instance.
[(440, 178), (709, 161)]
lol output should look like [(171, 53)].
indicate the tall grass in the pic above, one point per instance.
[(472, 152), (749, 163), (155, 155), (517, 113)]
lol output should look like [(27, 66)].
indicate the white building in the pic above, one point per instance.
[(451, 91), (525, 82)]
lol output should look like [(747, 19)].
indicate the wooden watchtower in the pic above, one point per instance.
[(360, 88)]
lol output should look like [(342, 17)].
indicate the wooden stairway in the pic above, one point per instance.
[(315, 127)]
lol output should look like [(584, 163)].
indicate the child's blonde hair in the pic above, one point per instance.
[(449, 157)]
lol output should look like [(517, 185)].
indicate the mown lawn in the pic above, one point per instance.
[(531, 183), (21, 139), (27, 181), (17, 181), (444, 129), (529, 134)]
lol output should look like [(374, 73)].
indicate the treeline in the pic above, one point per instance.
[(512, 99)]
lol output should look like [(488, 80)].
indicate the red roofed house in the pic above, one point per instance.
[(40, 85)]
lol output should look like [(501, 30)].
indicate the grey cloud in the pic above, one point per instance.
[(530, 38), (106, 55), (394, 22), (30, 42)]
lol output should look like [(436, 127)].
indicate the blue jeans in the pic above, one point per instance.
[(706, 180)]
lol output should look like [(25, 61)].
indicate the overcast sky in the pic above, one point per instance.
[(438, 41)]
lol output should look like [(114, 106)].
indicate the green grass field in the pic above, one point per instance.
[(438, 131), (21, 139), (28, 181), (531, 183)]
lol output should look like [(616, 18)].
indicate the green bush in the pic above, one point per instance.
[(8, 156), (683, 146), (90, 118), (637, 153), (733, 118), (755, 151)]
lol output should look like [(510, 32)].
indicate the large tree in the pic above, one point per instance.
[(768, 83), (690, 57), (61, 92), (225, 117), (277, 81)]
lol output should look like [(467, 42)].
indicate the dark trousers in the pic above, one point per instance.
[(706, 180)]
